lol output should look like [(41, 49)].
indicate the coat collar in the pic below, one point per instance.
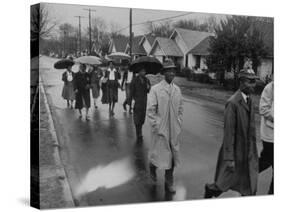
[(241, 100), (167, 87)]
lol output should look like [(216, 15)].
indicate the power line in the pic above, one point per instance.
[(161, 19)]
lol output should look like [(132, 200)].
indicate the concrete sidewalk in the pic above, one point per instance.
[(54, 188)]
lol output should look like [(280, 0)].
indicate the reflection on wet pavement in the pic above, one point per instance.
[(112, 175)]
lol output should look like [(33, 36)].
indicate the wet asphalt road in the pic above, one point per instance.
[(105, 165)]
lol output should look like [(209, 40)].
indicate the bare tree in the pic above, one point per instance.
[(41, 24), (211, 23), (115, 29), (160, 30), (68, 38)]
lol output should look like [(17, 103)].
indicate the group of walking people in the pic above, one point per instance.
[(238, 163), (78, 86)]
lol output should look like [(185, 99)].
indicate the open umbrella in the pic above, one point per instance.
[(151, 64), (90, 60), (64, 63), (119, 56)]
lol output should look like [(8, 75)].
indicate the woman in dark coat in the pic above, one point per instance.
[(82, 90), (68, 90), (112, 76), (104, 98)]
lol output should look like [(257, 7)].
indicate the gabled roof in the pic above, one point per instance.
[(202, 48), (168, 46), (137, 48), (120, 44), (149, 37), (190, 38)]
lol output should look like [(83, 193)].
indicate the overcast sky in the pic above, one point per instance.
[(64, 13)]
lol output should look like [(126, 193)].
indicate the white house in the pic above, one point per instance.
[(118, 44), (187, 40), (137, 48), (198, 55), (146, 42), (165, 48)]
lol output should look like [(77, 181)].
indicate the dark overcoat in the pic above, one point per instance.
[(82, 83), (140, 87), (112, 87), (239, 145)]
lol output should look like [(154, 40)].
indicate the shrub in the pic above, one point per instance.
[(201, 77), (186, 72)]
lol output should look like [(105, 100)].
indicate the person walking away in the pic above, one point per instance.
[(95, 84), (82, 90), (165, 114), (126, 82), (68, 90), (139, 88), (112, 76), (266, 109), (237, 165)]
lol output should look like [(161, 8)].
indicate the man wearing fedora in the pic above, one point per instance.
[(237, 166), (165, 114)]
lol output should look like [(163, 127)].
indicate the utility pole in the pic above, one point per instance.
[(79, 33), (131, 34), (90, 29)]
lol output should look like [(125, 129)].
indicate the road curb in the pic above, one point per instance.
[(68, 196)]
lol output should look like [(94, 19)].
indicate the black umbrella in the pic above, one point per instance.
[(64, 63), (151, 65)]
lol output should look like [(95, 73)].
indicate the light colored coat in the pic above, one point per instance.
[(165, 114), (267, 113), (239, 145)]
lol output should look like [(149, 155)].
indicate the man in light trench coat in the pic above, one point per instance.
[(165, 114), (237, 166)]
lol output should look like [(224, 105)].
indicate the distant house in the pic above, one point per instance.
[(266, 66), (198, 55), (165, 48), (187, 40), (137, 49), (147, 41), (118, 44)]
